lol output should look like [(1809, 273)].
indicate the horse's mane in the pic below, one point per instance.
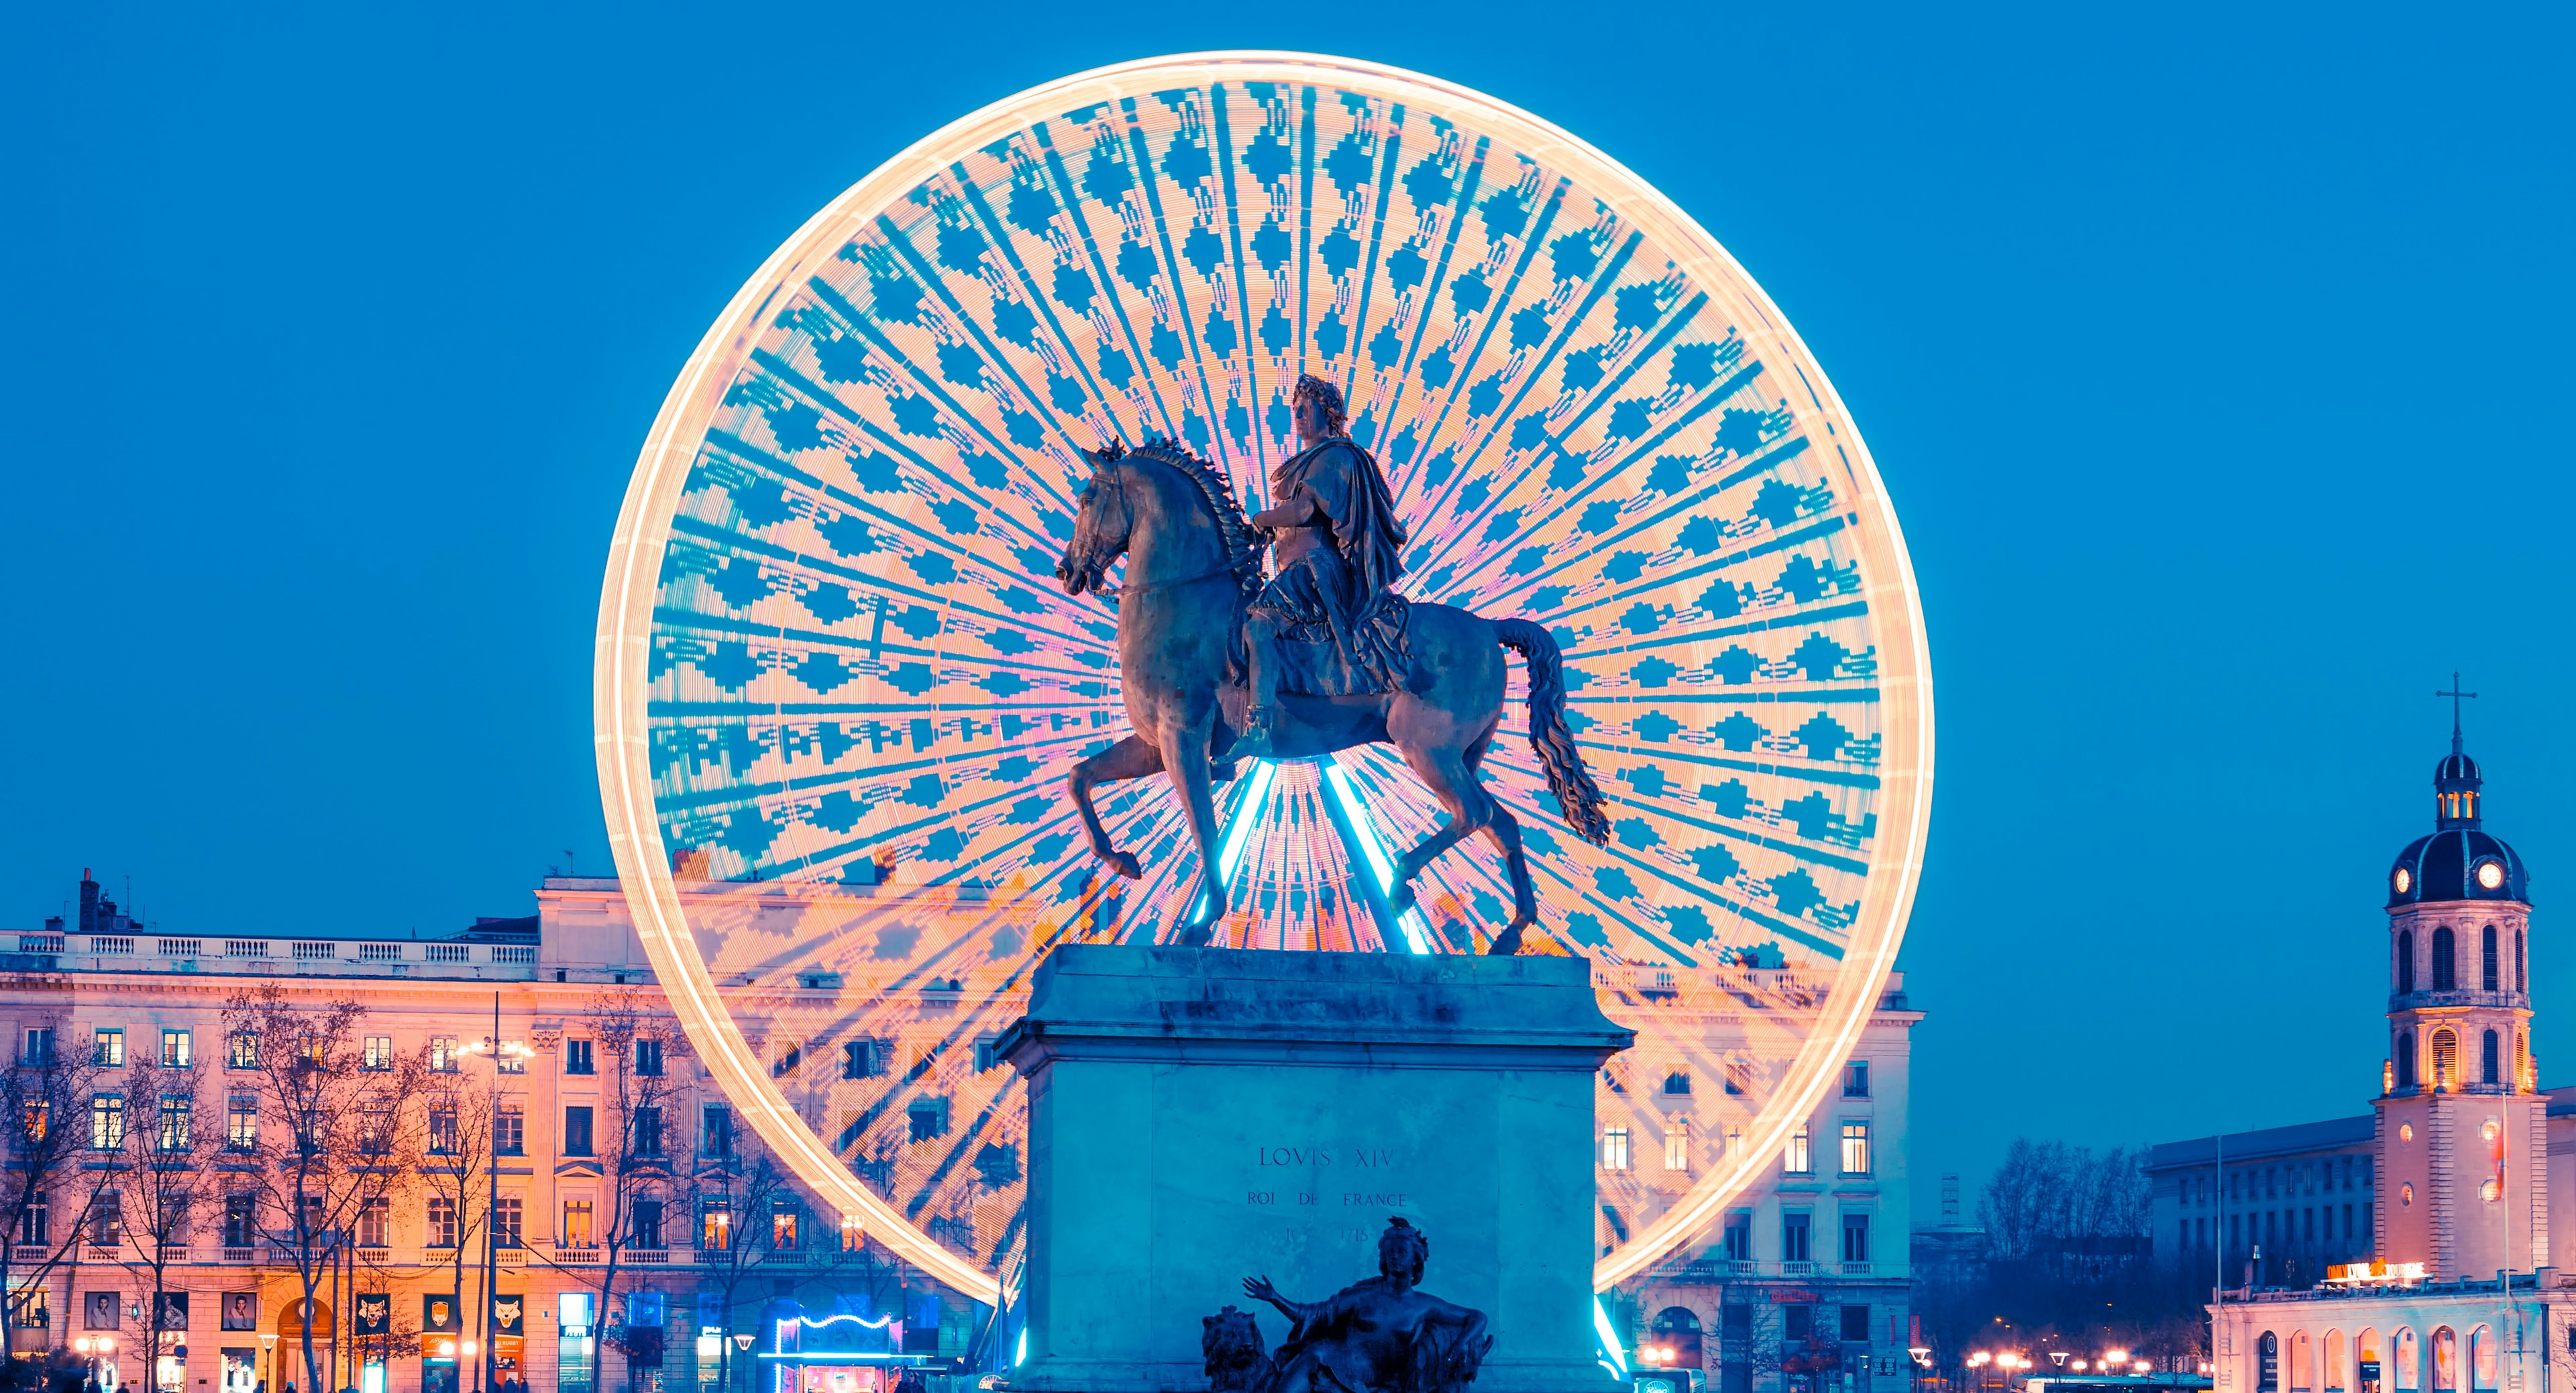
[(1234, 532)]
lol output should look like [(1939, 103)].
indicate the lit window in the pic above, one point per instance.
[(1614, 1148), (241, 1050), (241, 1123), (175, 1049), (442, 1053), (577, 1216), (1855, 1148), (177, 1110), (111, 1049), (1795, 1160), (379, 1054), (782, 1227), (715, 1227), (107, 1122), (1677, 1148)]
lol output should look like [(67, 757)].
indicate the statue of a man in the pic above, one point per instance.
[(1329, 622), (1379, 1333)]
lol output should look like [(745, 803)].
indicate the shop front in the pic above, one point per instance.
[(442, 1342), (841, 1353)]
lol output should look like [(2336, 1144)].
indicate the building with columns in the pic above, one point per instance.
[(1802, 1286), (2449, 1283), (706, 1249)]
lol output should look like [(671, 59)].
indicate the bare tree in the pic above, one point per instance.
[(457, 1146), (156, 1181), (638, 1056), (347, 1134), (45, 1198), (746, 1213)]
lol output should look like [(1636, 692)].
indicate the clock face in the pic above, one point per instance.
[(2404, 880), (2491, 876), (2406, 1131)]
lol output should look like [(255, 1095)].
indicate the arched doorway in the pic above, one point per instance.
[(286, 1370), (1676, 1338)]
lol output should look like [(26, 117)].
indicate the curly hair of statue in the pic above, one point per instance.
[(1337, 416)]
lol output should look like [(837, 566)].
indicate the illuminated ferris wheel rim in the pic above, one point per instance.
[(626, 626)]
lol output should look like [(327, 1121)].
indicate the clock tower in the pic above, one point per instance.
[(2462, 1147)]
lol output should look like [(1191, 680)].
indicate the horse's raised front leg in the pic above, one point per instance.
[(1132, 758), (1184, 759)]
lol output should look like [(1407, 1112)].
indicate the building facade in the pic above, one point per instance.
[(631, 1242), (688, 1267), (1803, 1285), (2457, 1292), (2302, 1195)]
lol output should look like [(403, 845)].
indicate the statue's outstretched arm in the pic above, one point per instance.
[(1259, 1289)]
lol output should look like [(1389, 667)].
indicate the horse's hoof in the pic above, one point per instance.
[(1195, 936), (1506, 944), (1124, 863), (1401, 896)]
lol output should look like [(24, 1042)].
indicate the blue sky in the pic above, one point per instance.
[(2215, 356)]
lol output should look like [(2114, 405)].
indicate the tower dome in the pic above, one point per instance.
[(2459, 861)]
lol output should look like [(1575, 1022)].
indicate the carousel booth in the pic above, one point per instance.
[(840, 1353)]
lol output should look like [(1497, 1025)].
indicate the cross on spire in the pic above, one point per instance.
[(2455, 694)]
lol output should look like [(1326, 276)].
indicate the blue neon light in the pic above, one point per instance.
[(1609, 1341), (1247, 814), (1375, 851)]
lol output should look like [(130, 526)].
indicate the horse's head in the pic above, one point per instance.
[(1101, 526)]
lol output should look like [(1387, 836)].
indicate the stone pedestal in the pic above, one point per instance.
[(1197, 1116)]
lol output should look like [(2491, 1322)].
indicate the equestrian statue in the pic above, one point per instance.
[(1220, 664)]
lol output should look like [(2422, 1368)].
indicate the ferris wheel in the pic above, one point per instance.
[(832, 652)]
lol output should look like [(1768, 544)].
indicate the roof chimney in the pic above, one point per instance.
[(89, 903)]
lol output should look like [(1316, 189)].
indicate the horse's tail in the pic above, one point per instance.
[(1548, 733)]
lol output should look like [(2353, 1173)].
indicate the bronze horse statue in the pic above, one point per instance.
[(1193, 564)]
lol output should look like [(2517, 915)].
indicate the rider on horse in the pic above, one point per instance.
[(1329, 623)]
